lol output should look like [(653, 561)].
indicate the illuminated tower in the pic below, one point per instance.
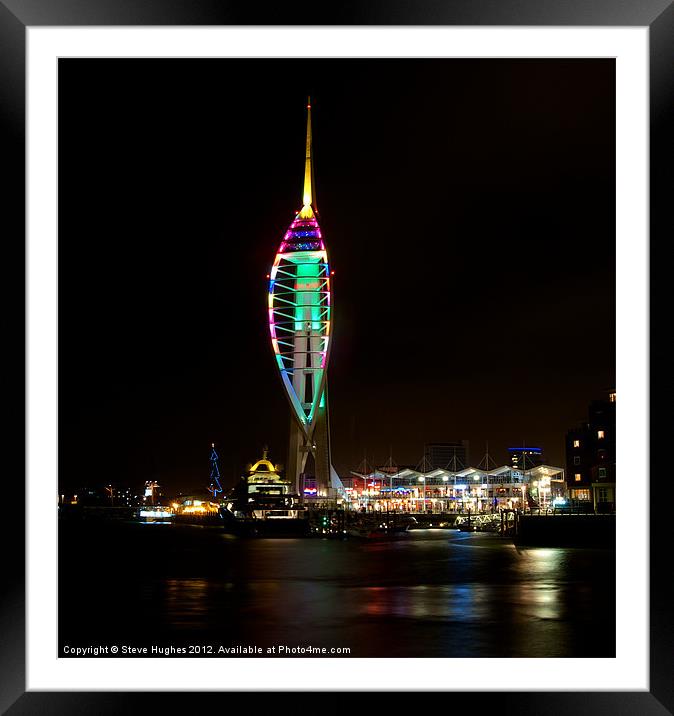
[(215, 487), (299, 322)]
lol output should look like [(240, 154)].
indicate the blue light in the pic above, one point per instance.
[(215, 487)]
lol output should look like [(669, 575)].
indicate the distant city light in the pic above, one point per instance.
[(156, 513)]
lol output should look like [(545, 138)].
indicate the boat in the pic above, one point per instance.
[(493, 524), (479, 523), (467, 526), (262, 505), (158, 514), (374, 527)]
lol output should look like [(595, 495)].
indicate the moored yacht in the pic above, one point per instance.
[(262, 504)]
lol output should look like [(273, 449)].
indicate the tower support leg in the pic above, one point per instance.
[(322, 451), (297, 456)]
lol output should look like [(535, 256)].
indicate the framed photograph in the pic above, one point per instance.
[(448, 218)]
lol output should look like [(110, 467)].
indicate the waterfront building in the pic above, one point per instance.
[(104, 496), (87, 496), (300, 319), (524, 458), (475, 489), (126, 497), (152, 492), (591, 457), (198, 504), (451, 455)]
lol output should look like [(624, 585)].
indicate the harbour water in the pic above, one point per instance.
[(429, 593)]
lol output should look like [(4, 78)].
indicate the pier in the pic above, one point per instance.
[(537, 528), (565, 530)]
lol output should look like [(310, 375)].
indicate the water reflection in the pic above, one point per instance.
[(185, 603), (465, 602), (432, 593)]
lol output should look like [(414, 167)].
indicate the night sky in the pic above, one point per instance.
[(469, 212)]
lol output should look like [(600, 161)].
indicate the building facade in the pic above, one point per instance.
[(474, 489), (591, 458)]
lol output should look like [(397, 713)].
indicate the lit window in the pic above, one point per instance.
[(611, 397), (577, 477), (600, 434), (576, 443)]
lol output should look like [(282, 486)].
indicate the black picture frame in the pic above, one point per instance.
[(658, 15)]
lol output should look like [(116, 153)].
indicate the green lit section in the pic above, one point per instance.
[(308, 284), (299, 314)]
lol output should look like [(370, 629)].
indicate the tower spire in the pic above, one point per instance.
[(308, 193)]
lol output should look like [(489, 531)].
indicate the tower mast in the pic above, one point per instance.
[(309, 208)]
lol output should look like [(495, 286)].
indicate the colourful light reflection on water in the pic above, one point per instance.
[(430, 594)]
